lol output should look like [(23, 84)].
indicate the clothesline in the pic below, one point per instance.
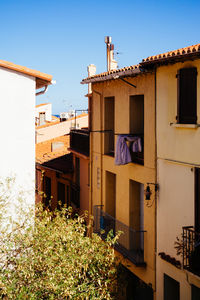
[(130, 134)]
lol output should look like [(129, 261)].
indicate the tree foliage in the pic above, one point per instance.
[(53, 257)]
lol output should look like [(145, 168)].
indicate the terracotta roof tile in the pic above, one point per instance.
[(62, 163), (175, 55), (42, 79), (43, 151), (121, 72), (42, 104), (181, 53)]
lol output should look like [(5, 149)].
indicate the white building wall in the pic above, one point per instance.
[(47, 109), (175, 203), (164, 267), (17, 122)]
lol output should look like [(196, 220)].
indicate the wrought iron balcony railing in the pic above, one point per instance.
[(130, 243), (80, 141), (191, 250)]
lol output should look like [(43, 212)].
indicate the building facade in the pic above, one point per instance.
[(122, 106), (62, 171), (178, 169)]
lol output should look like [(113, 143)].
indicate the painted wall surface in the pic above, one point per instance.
[(46, 108), (175, 142), (17, 93), (101, 163), (66, 179), (84, 183), (164, 267), (59, 129), (175, 203), (178, 149)]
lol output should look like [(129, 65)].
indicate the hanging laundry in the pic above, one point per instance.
[(122, 151), (136, 146)]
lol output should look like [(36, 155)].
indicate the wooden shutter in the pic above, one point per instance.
[(187, 96)]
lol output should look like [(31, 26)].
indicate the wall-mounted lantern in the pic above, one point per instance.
[(148, 191)]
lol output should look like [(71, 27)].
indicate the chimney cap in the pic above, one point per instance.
[(108, 39)]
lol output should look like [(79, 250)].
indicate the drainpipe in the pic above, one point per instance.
[(156, 178), (101, 143), (91, 156), (45, 88), (42, 92)]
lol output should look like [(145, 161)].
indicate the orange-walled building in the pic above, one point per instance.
[(62, 168)]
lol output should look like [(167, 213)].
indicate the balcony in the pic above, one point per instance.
[(130, 243), (80, 141), (191, 250)]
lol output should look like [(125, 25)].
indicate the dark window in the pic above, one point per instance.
[(109, 125), (195, 292), (77, 168), (137, 125), (75, 195), (137, 114), (47, 191), (110, 193), (36, 180), (197, 199), (68, 195), (42, 118), (187, 96), (171, 288), (61, 194)]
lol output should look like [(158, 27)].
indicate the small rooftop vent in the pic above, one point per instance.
[(56, 146), (63, 116)]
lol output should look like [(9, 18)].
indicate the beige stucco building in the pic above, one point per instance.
[(122, 105), (178, 171), (153, 194)]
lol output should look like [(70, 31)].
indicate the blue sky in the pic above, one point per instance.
[(63, 37)]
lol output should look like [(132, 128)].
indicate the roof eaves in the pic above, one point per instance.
[(114, 75), (42, 77), (187, 53)]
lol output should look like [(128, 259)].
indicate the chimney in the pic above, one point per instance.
[(91, 72), (111, 63)]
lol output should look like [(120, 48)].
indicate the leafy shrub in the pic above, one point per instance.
[(53, 257)]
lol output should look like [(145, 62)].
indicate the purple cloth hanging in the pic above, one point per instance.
[(137, 145), (122, 153)]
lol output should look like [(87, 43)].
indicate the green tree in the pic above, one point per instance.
[(54, 258)]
